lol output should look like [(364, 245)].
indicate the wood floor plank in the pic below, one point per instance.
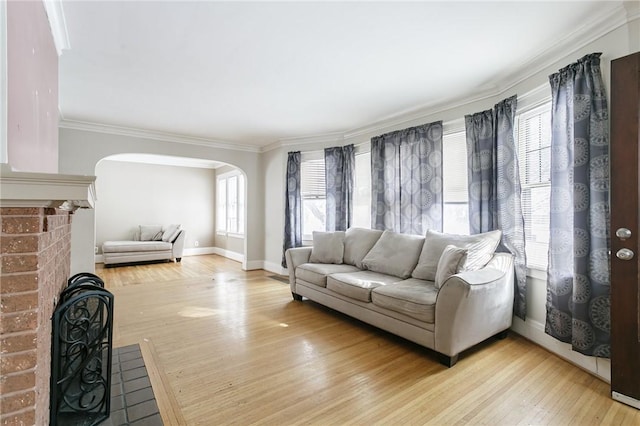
[(232, 347)]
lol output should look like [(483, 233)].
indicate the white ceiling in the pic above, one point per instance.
[(255, 73)]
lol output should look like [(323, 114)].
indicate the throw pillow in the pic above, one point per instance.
[(150, 232), (480, 250), (450, 263), (170, 232), (328, 247), (357, 243), (394, 254)]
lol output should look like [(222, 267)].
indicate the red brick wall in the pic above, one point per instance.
[(35, 254)]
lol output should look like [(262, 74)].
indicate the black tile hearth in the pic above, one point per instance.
[(132, 400)]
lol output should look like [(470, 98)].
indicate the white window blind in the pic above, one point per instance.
[(313, 194), (456, 193), (534, 145), (312, 177)]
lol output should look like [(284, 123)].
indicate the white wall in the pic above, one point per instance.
[(132, 194)]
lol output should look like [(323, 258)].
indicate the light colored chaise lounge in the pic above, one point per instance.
[(150, 243), (445, 292)]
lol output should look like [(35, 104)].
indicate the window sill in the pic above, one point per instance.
[(537, 273)]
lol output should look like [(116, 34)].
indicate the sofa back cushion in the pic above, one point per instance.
[(480, 249), (328, 247), (394, 254), (357, 243), (150, 232)]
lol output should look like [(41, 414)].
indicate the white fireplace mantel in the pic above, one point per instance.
[(25, 189)]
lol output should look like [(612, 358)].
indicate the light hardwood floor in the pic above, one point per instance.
[(225, 346)]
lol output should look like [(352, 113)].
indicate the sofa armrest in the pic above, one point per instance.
[(474, 305), (296, 257), (178, 245)]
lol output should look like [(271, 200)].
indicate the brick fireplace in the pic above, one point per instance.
[(35, 259)]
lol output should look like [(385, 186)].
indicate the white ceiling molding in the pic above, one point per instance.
[(154, 135), (598, 27), (58, 24), (579, 38)]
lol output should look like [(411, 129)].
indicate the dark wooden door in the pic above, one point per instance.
[(625, 251)]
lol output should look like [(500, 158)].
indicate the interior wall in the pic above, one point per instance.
[(32, 93), (161, 195)]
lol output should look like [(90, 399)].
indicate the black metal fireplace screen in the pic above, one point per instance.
[(81, 353)]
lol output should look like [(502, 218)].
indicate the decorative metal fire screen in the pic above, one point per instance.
[(81, 353)]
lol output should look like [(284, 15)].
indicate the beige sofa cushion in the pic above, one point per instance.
[(394, 254), (316, 273), (134, 246), (328, 247), (358, 285), (450, 263), (357, 243), (480, 250), (412, 297)]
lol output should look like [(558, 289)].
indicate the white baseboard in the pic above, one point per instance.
[(196, 251), (238, 257), (534, 331), (275, 268), (99, 258)]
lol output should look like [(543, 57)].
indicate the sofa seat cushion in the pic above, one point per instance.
[(316, 273), (358, 285), (413, 297), (134, 246)]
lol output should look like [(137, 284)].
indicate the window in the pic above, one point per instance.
[(534, 146), (455, 196), (230, 203), (362, 191), (313, 195)]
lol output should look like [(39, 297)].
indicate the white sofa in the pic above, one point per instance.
[(445, 292), (150, 242)]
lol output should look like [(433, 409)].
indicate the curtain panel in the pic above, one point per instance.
[(494, 186), (339, 163), (293, 205), (406, 180), (578, 276)]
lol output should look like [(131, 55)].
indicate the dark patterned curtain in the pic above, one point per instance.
[(406, 180), (578, 277), (494, 186), (339, 163), (293, 206)]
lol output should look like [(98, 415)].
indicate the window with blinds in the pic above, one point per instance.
[(534, 146), (455, 196), (313, 194)]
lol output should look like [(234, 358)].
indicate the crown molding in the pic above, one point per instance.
[(154, 135), (58, 24), (579, 38), (618, 16), (307, 140)]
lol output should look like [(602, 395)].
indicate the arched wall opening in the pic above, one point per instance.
[(148, 189)]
